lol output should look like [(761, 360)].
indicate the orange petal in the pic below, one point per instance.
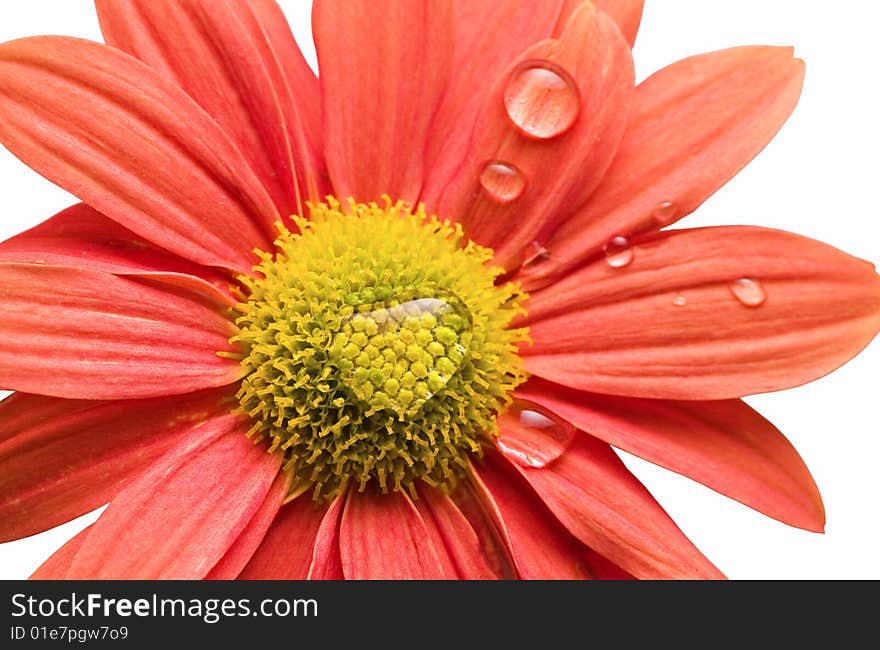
[(383, 537), (286, 551), (626, 13), (456, 542), (85, 334), (383, 69), (571, 97), (541, 548), (326, 561), (181, 516), (725, 445), (489, 35), (105, 127), (243, 549), (82, 237), (601, 503), (692, 127), (56, 566), (218, 51), (60, 459), (669, 324)]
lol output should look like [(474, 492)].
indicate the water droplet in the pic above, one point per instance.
[(665, 213), (541, 99), (398, 355), (535, 254), (749, 292), (679, 301), (502, 182), (618, 252), (531, 436)]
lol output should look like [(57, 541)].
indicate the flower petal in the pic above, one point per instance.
[(626, 13), (179, 518), (326, 557), (456, 542), (813, 308), (383, 537), (82, 237), (84, 334), (57, 564), (242, 550), (218, 51), (602, 504), (60, 459), (489, 34), (383, 68), (542, 549), (132, 145), (725, 445), (286, 551), (558, 172), (692, 127), (300, 77)]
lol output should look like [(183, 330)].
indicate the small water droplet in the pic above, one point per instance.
[(535, 254), (749, 292), (531, 436), (679, 301), (618, 252), (665, 213), (502, 181), (541, 99)]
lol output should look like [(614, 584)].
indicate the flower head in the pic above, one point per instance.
[(391, 321)]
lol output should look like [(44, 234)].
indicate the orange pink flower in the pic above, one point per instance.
[(255, 340)]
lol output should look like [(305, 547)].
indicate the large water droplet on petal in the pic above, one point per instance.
[(618, 252), (749, 292), (541, 99), (665, 213), (680, 301), (397, 357), (531, 436), (502, 181)]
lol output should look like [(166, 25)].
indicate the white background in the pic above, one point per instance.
[(818, 178)]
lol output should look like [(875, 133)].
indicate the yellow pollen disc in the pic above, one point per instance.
[(377, 348)]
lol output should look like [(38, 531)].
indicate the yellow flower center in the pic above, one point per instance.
[(377, 348)]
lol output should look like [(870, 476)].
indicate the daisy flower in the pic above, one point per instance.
[(392, 321)]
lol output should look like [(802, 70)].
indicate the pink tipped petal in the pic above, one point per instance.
[(218, 51), (243, 549), (552, 123), (542, 549), (489, 34), (725, 445), (60, 459), (454, 538), (182, 515), (626, 13), (383, 66), (286, 551), (300, 77), (56, 566), (82, 237), (134, 146), (85, 334), (730, 311), (326, 557), (482, 515), (692, 127), (600, 502), (383, 537)]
